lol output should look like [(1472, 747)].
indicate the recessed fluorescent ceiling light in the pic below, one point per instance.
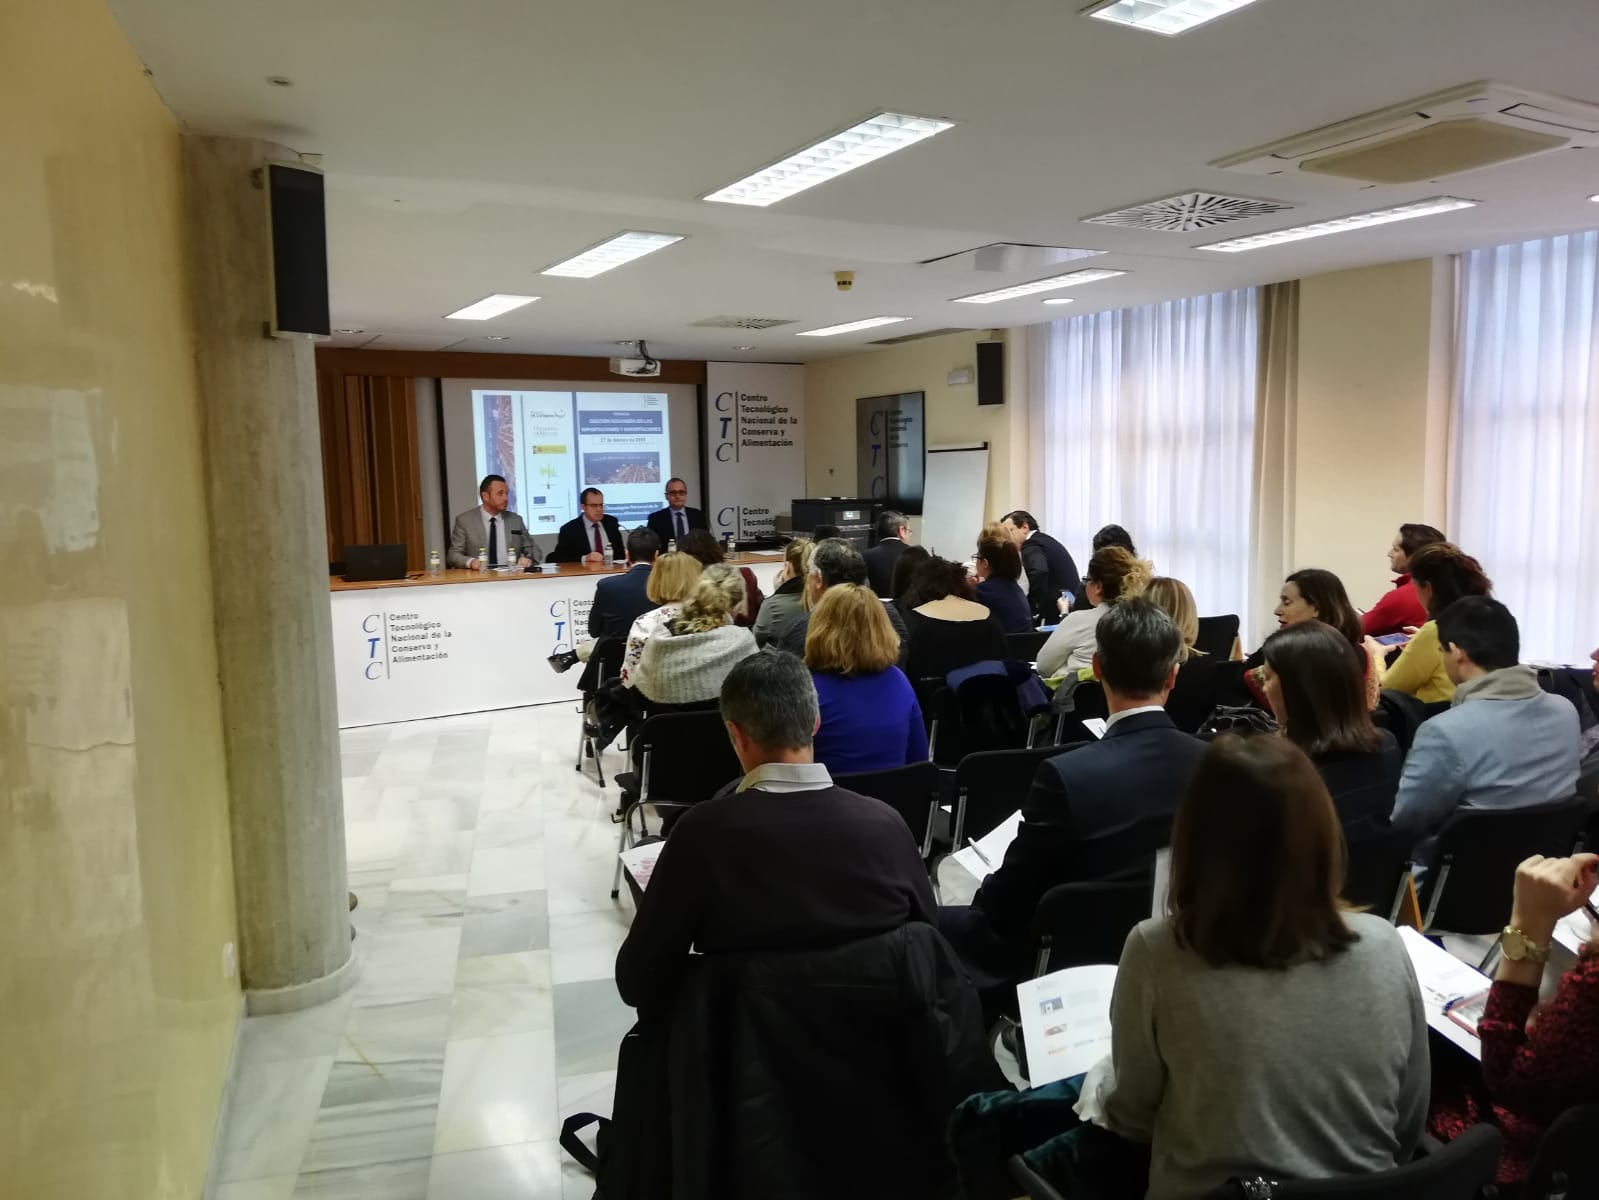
[(1381, 216), (829, 158), (1070, 279), (623, 248), (489, 307), (1059, 300), (1164, 16), (852, 326)]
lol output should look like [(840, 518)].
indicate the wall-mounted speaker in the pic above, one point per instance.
[(990, 372), (299, 230)]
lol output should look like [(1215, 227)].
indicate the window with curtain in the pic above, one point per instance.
[(1146, 418), (1525, 471)]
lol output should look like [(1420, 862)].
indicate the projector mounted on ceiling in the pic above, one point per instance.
[(642, 367), (1463, 129)]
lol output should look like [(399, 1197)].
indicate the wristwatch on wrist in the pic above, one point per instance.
[(1518, 948)]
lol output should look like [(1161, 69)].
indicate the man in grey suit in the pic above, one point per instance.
[(503, 533)]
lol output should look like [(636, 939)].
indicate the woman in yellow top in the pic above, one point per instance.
[(1442, 573)]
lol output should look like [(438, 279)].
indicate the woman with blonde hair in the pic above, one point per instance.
[(1200, 676), (788, 600), (686, 659), (671, 580), (870, 718), (1113, 574)]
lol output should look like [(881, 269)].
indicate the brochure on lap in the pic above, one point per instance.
[(639, 862), (1446, 983), (1066, 1021)]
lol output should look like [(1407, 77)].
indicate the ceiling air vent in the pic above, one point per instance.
[(744, 322), (1463, 129), (916, 337), (1188, 212)]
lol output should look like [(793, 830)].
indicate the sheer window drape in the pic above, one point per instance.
[(1525, 473), (1146, 417)]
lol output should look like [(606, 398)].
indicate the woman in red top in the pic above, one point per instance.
[(1401, 608), (1536, 1062)]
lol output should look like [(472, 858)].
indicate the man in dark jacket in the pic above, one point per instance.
[(622, 599), (835, 562), (583, 538), (674, 522), (1137, 770), (893, 535), (799, 864), (1046, 563)]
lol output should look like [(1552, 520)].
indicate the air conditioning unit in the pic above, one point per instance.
[(636, 368), (1463, 129)]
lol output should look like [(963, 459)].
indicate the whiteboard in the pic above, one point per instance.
[(956, 491)]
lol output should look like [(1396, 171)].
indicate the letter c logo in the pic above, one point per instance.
[(558, 608), (368, 626), (725, 517), (374, 670), (724, 452), (721, 396), (876, 425)]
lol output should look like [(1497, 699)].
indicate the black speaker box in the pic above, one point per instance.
[(299, 250), (990, 372)]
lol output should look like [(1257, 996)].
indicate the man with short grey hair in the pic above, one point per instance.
[(834, 562), (781, 859)]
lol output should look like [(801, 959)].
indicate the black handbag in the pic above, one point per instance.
[(1243, 718)]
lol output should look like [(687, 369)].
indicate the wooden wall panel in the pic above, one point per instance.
[(371, 476), (460, 364)]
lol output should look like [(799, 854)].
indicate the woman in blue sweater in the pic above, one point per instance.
[(870, 718)]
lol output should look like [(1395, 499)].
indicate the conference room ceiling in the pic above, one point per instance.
[(469, 145)]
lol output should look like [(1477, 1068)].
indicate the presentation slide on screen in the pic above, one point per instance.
[(552, 445)]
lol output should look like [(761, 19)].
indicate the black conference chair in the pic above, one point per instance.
[(604, 664), (982, 714), (990, 785), (1074, 703), (1402, 714), (1468, 888), (1217, 635), (1377, 866), (1565, 1165), (1024, 647), (1126, 853), (1079, 924), (913, 791), (682, 758)]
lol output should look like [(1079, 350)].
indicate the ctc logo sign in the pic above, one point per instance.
[(879, 484), (560, 615), (372, 626), (725, 403)]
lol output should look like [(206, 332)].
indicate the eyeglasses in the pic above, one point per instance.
[(677, 491)]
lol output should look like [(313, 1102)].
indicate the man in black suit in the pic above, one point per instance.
[(1047, 564), (621, 599), (893, 535), (673, 522), (1137, 770), (582, 539)]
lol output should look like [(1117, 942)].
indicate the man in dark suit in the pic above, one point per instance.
[(1137, 770), (582, 539), (893, 535), (621, 599), (673, 522), (1047, 564)]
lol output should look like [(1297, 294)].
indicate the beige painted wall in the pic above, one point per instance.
[(953, 417), (1372, 427), (116, 892)]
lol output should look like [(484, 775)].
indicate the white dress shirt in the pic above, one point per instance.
[(787, 777), (1131, 712)]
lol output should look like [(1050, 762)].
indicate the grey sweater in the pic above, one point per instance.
[(1317, 1070)]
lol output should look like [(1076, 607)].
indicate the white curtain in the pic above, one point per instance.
[(1146, 418), (1525, 472)]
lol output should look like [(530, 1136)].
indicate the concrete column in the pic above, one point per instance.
[(268, 556)]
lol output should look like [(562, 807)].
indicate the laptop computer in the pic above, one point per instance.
[(366, 563)]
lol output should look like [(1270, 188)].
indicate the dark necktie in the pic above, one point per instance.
[(598, 549), (682, 524), (494, 541)]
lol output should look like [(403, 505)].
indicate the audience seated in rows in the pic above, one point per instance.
[(686, 659), (1400, 609), (672, 577), (834, 561), (945, 629), (1113, 574), (1313, 594), (1441, 573), (619, 600), (998, 567), (1200, 676), (1314, 687), (1504, 743), (782, 860), (893, 535), (1051, 573), (787, 600), (702, 544), (870, 718), (1137, 770), (905, 566), (1537, 1060)]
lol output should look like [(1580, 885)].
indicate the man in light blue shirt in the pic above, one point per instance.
[(1505, 743)]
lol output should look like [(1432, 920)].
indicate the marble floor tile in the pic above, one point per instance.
[(269, 1121), (583, 945), (384, 1181), (310, 1033), (428, 854), (595, 1093), (410, 1031), (513, 869), (527, 1171), (398, 1127), (501, 994), (436, 902), (278, 1187), (505, 924), (509, 828), (497, 1092), (407, 966), (500, 795), (590, 1021)]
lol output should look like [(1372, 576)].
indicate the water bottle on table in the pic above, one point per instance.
[(609, 555), (483, 558), (435, 567)]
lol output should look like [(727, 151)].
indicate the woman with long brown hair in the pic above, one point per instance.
[(1441, 574)]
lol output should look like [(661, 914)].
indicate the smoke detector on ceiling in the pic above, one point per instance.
[(1448, 133), (1188, 212)]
